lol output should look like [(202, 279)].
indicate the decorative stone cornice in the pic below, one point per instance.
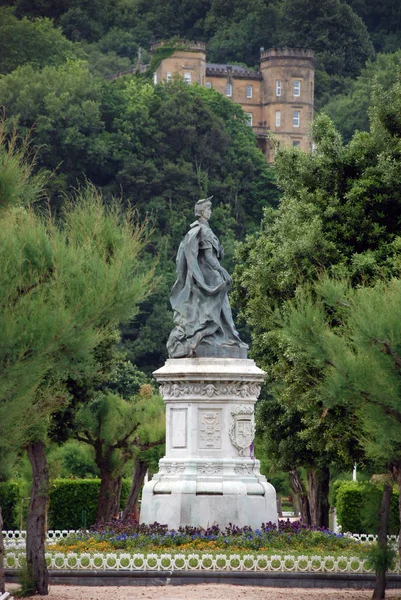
[(211, 389), (240, 466)]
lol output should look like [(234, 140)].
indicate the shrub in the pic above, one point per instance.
[(9, 498), (358, 506), (69, 498)]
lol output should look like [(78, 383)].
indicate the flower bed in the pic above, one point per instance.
[(133, 537), (127, 545)]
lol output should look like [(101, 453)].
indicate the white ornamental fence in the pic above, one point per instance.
[(17, 539), (198, 561), (15, 559)]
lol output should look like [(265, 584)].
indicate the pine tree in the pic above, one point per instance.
[(63, 287)]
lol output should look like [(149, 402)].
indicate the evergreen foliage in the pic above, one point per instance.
[(65, 284)]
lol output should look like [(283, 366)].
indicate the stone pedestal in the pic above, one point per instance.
[(209, 474)]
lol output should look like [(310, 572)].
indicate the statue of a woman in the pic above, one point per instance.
[(202, 315)]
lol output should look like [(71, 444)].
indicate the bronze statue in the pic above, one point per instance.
[(202, 315)]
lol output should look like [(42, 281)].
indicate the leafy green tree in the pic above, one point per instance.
[(350, 110), (337, 35), (79, 26), (37, 43), (121, 42), (103, 64), (64, 106), (116, 428), (238, 37), (41, 8), (383, 22), (340, 211), (71, 460), (114, 411), (332, 29)]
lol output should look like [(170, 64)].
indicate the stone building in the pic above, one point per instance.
[(277, 98)]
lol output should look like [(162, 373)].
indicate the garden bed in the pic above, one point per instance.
[(129, 546)]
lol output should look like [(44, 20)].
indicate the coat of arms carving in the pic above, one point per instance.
[(242, 428)]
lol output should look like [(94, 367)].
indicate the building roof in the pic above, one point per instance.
[(236, 71)]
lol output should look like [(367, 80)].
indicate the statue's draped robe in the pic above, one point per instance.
[(202, 315)]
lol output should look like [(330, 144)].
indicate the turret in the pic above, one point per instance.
[(188, 59), (287, 94)]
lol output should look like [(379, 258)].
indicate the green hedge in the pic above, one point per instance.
[(9, 499), (358, 506), (73, 502), (68, 499)]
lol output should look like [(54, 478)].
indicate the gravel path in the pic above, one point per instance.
[(203, 592)]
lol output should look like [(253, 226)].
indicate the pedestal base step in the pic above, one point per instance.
[(207, 509)]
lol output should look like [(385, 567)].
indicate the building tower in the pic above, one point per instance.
[(188, 60), (287, 92), (278, 98)]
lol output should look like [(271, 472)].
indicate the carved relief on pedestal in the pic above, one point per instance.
[(209, 429), (210, 469), (242, 428), (244, 469), (234, 389), (171, 469)]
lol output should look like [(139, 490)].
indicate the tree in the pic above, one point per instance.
[(64, 106), (350, 110), (332, 29), (356, 334), (117, 428), (238, 32), (62, 289), (114, 411), (383, 22), (335, 33), (121, 42), (37, 43), (41, 8), (340, 211)]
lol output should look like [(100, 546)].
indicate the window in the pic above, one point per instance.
[(208, 84), (278, 87), (249, 119), (168, 76), (296, 143), (278, 118), (155, 78), (296, 118), (187, 77), (249, 91), (229, 90), (297, 87)]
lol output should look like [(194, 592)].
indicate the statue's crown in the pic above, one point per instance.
[(201, 204)]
